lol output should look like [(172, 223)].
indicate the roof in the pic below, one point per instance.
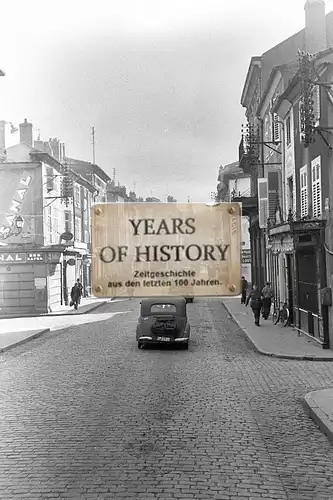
[(92, 166), (287, 71), (291, 87), (255, 61), (163, 300), (38, 155)]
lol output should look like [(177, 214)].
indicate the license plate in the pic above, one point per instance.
[(164, 339)]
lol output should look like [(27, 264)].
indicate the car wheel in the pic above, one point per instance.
[(185, 346), (139, 345)]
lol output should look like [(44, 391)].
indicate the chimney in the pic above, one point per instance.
[(62, 155), (26, 133), (315, 26)]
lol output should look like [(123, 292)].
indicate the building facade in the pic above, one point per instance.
[(233, 183), (44, 237), (289, 184)]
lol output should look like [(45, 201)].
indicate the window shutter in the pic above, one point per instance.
[(263, 202), (316, 187), (301, 104), (304, 191)]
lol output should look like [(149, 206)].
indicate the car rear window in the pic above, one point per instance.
[(157, 308)]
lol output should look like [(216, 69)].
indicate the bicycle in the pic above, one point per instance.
[(281, 314)]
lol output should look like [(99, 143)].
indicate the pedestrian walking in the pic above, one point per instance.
[(255, 299), (79, 284), (75, 296), (268, 294), (243, 290)]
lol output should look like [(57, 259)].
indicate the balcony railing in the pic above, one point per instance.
[(238, 194)]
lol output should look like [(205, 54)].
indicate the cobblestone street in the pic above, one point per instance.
[(86, 415)]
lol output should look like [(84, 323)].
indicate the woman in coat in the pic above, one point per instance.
[(255, 299)]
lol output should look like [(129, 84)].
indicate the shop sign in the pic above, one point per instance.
[(166, 249), (13, 258), (53, 256), (40, 283), (35, 257), (66, 236), (246, 256), (21, 258)]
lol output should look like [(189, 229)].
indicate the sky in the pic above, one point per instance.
[(160, 81)]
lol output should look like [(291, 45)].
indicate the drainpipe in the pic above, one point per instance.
[(262, 174), (283, 172)]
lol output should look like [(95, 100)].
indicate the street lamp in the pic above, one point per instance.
[(19, 222)]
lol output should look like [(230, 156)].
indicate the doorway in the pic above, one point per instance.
[(290, 286)]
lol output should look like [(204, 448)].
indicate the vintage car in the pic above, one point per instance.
[(163, 321)]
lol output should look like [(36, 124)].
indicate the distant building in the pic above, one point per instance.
[(94, 174), (116, 193), (153, 200), (233, 183)]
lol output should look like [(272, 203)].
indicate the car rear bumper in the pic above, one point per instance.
[(153, 340)]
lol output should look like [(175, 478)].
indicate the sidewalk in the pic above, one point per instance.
[(319, 405), (14, 339), (87, 305), (275, 340), (18, 330)]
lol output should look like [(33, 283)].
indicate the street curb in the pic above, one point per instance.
[(295, 357), (23, 341), (50, 315), (318, 416), (72, 313)]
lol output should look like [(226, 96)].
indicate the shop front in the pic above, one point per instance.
[(39, 281), (76, 265), (280, 251), (24, 281), (297, 270)]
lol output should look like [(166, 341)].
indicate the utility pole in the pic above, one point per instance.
[(93, 143)]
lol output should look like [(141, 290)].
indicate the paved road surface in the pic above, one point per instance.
[(86, 415)]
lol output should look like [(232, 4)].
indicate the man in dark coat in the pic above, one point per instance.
[(79, 284), (255, 299), (243, 290), (75, 295), (268, 294)]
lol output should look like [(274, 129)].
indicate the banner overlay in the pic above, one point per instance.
[(166, 249)]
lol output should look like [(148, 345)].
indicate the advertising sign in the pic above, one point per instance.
[(166, 249), (19, 190), (246, 256)]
